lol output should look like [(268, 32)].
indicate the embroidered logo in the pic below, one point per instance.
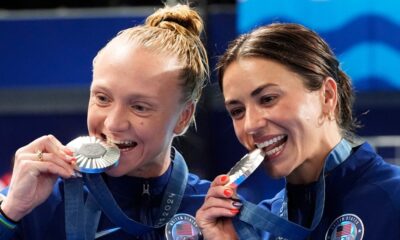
[(182, 227), (346, 227)]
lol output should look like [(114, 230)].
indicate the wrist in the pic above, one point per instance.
[(7, 215)]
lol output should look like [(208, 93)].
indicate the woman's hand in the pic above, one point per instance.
[(220, 205), (36, 169)]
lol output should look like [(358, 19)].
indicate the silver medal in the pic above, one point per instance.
[(93, 155), (245, 167)]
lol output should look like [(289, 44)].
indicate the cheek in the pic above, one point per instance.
[(90, 125), (92, 120), (237, 128), (300, 109), (312, 106), (149, 127), (239, 132), (309, 114)]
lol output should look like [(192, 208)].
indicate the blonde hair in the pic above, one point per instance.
[(175, 31)]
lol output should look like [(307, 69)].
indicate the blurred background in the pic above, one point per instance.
[(47, 47)]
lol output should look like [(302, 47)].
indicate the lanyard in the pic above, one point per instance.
[(255, 217), (99, 197)]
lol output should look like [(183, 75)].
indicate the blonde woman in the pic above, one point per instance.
[(146, 83)]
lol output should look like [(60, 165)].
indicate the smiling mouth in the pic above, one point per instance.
[(124, 146), (273, 146)]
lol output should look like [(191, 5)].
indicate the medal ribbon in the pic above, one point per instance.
[(100, 195), (74, 211), (254, 217)]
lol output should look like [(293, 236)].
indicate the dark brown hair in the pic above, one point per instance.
[(302, 51)]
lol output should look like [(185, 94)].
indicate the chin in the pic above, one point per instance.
[(115, 172), (275, 173), (277, 176)]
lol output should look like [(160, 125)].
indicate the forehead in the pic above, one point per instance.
[(132, 52), (130, 69), (246, 73), (129, 60)]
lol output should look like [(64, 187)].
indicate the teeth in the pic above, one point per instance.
[(123, 142), (274, 150), (116, 142), (270, 142)]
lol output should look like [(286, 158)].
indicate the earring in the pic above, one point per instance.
[(330, 116)]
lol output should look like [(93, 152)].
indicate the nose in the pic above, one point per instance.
[(254, 120), (117, 119)]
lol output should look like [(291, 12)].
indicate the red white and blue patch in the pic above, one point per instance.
[(346, 227), (182, 227)]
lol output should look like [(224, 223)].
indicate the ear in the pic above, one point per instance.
[(330, 96), (184, 118)]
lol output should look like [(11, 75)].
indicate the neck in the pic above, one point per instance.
[(151, 170), (155, 168), (310, 170)]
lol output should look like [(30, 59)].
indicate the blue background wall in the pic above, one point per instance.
[(363, 33)]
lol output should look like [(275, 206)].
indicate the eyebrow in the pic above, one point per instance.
[(258, 90), (253, 93), (99, 87)]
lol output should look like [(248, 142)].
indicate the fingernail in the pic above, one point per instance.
[(224, 178), (237, 204), (228, 192), (68, 151), (76, 174), (234, 211), (73, 161)]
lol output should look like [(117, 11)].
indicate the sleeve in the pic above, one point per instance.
[(6, 232), (247, 231), (7, 229)]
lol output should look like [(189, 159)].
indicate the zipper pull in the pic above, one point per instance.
[(146, 189), (145, 210)]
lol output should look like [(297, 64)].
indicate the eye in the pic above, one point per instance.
[(236, 113), (268, 99), (141, 109), (101, 99)]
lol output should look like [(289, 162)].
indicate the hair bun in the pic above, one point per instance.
[(177, 18)]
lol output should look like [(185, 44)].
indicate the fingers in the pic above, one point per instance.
[(49, 163), (50, 144), (31, 184), (219, 207), (49, 155), (37, 168), (220, 180), (221, 200), (57, 147), (219, 188)]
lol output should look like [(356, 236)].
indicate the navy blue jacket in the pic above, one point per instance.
[(46, 222), (362, 199)]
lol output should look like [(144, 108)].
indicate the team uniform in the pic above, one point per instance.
[(139, 199), (362, 200)]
